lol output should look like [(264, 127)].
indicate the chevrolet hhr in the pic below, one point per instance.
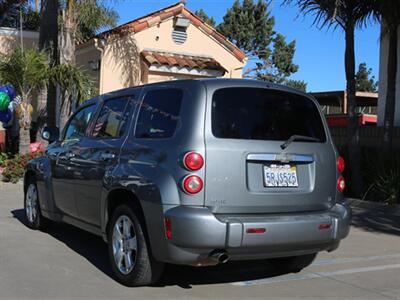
[(194, 172)]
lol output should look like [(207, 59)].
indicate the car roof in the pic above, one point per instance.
[(212, 83)]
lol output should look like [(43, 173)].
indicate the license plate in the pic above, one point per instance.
[(280, 176)]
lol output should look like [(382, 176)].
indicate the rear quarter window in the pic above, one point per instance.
[(159, 114), (263, 114)]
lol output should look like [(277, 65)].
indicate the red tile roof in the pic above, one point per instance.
[(180, 60), (147, 21)]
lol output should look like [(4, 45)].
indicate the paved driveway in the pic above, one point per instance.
[(66, 263)]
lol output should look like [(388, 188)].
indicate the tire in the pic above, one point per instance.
[(33, 215), (293, 264), (129, 255)]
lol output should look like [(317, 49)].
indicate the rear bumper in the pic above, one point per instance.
[(196, 232)]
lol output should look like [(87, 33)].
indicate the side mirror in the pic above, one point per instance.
[(50, 134)]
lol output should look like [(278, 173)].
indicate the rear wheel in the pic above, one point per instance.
[(33, 214), (293, 264), (129, 254)]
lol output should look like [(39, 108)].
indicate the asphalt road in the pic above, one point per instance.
[(67, 263)]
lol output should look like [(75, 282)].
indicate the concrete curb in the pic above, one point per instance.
[(357, 203)]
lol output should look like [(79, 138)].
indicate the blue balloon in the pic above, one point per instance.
[(5, 116), (9, 90)]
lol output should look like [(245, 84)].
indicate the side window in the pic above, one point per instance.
[(109, 123), (159, 114), (77, 126)]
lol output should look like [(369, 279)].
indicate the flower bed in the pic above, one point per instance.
[(12, 168)]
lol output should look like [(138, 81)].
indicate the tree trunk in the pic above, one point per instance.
[(390, 100), (24, 140), (354, 151), (25, 121), (48, 41), (67, 56)]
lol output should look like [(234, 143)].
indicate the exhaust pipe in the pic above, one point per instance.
[(216, 257), (220, 257)]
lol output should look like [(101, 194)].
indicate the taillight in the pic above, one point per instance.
[(341, 184), (193, 161), (168, 228), (340, 164), (192, 184)]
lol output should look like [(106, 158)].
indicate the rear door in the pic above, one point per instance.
[(98, 153), (247, 171)]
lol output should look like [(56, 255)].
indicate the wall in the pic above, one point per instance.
[(121, 60), (84, 56), (368, 136), (157, 77), (383, 81), (10, 38)]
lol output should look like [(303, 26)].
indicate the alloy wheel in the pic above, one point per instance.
[(124, 244), (31, 203)]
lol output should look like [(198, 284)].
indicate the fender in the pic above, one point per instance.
[(40, 168), (150, 187)]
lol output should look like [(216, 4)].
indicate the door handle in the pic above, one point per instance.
[(69, 155), (107, 156)]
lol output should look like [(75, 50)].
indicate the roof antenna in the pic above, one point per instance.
[(183, 2)]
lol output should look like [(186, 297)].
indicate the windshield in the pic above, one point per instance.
[(264, 114)]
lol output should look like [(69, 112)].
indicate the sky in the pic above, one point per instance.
[(319, 52)]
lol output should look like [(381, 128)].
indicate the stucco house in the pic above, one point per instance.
[(168, 44), (11, 38), (172, 43)]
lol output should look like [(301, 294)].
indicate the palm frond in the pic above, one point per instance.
[(93, 16), (25, 70), (71, 79), (29, 70), (337, 12)]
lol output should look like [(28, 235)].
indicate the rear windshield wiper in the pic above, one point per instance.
[(298, 138)]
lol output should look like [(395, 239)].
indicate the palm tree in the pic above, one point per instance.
[(348, 15), (80, 21), (389, 13), (29, 71), (48, 42)]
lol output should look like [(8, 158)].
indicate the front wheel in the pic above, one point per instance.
[(130, 259), (293, 264), (33, 215)]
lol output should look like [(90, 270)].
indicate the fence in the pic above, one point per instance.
[(368, 136)]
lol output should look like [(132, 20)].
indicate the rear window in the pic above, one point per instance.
[(262, 114)]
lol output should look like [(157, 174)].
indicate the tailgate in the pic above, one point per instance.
[(247, 171)]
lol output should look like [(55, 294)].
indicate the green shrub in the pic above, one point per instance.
[(3, 158), (381, 175), (14, 168), (388, 185)]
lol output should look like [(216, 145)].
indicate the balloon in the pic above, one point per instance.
[(9, 90), (4, 101), (11, 106), (19, 110), (5, 116)]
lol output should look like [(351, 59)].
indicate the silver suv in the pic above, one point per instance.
[(194, 172)]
